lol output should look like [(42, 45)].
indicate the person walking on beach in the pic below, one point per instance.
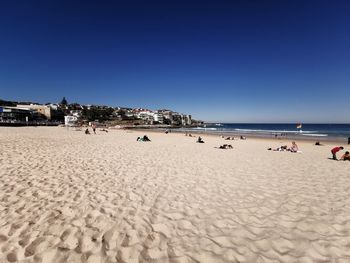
[(335, 150), (94, 128), (349, 140)]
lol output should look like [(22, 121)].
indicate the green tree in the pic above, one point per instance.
[(64, 101)]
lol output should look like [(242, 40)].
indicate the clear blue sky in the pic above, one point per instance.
[(233, 61)]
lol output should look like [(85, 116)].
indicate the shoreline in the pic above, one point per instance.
[(310, 139)]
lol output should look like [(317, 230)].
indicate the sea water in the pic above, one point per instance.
[(337, 132)]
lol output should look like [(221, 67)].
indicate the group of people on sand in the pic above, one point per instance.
[(94, 130), (232, 138), (224, 146), (345, 156), (294, 148)]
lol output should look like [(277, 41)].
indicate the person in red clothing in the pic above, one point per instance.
[(335, 150)]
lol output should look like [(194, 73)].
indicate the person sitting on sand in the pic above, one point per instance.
[(318, 143), (243, 138), (190, 135), (294, 148), (345, 157), (335, 150), (200, 140), (87, 131)]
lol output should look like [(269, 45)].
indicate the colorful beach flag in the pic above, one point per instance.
[(299, 126)]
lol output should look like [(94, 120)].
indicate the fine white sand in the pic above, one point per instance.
[(70, 197)]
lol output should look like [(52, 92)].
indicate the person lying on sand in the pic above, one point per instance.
[(345, 157), (294, 148), (143, 139), (226, 146), (104, 130), (230, 138), (279, 149)]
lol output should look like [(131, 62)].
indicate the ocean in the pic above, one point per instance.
[(338, 132)]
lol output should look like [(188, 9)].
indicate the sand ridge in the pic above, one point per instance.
[(70, 197)]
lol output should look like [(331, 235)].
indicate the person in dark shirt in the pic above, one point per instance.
[(200, 140), (146, 139)]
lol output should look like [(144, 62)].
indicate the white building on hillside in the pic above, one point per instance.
[(158, 117)]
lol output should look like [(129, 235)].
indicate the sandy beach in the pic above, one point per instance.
[(70, 197)]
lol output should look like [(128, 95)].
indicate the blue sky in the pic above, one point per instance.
[(232, 61)]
